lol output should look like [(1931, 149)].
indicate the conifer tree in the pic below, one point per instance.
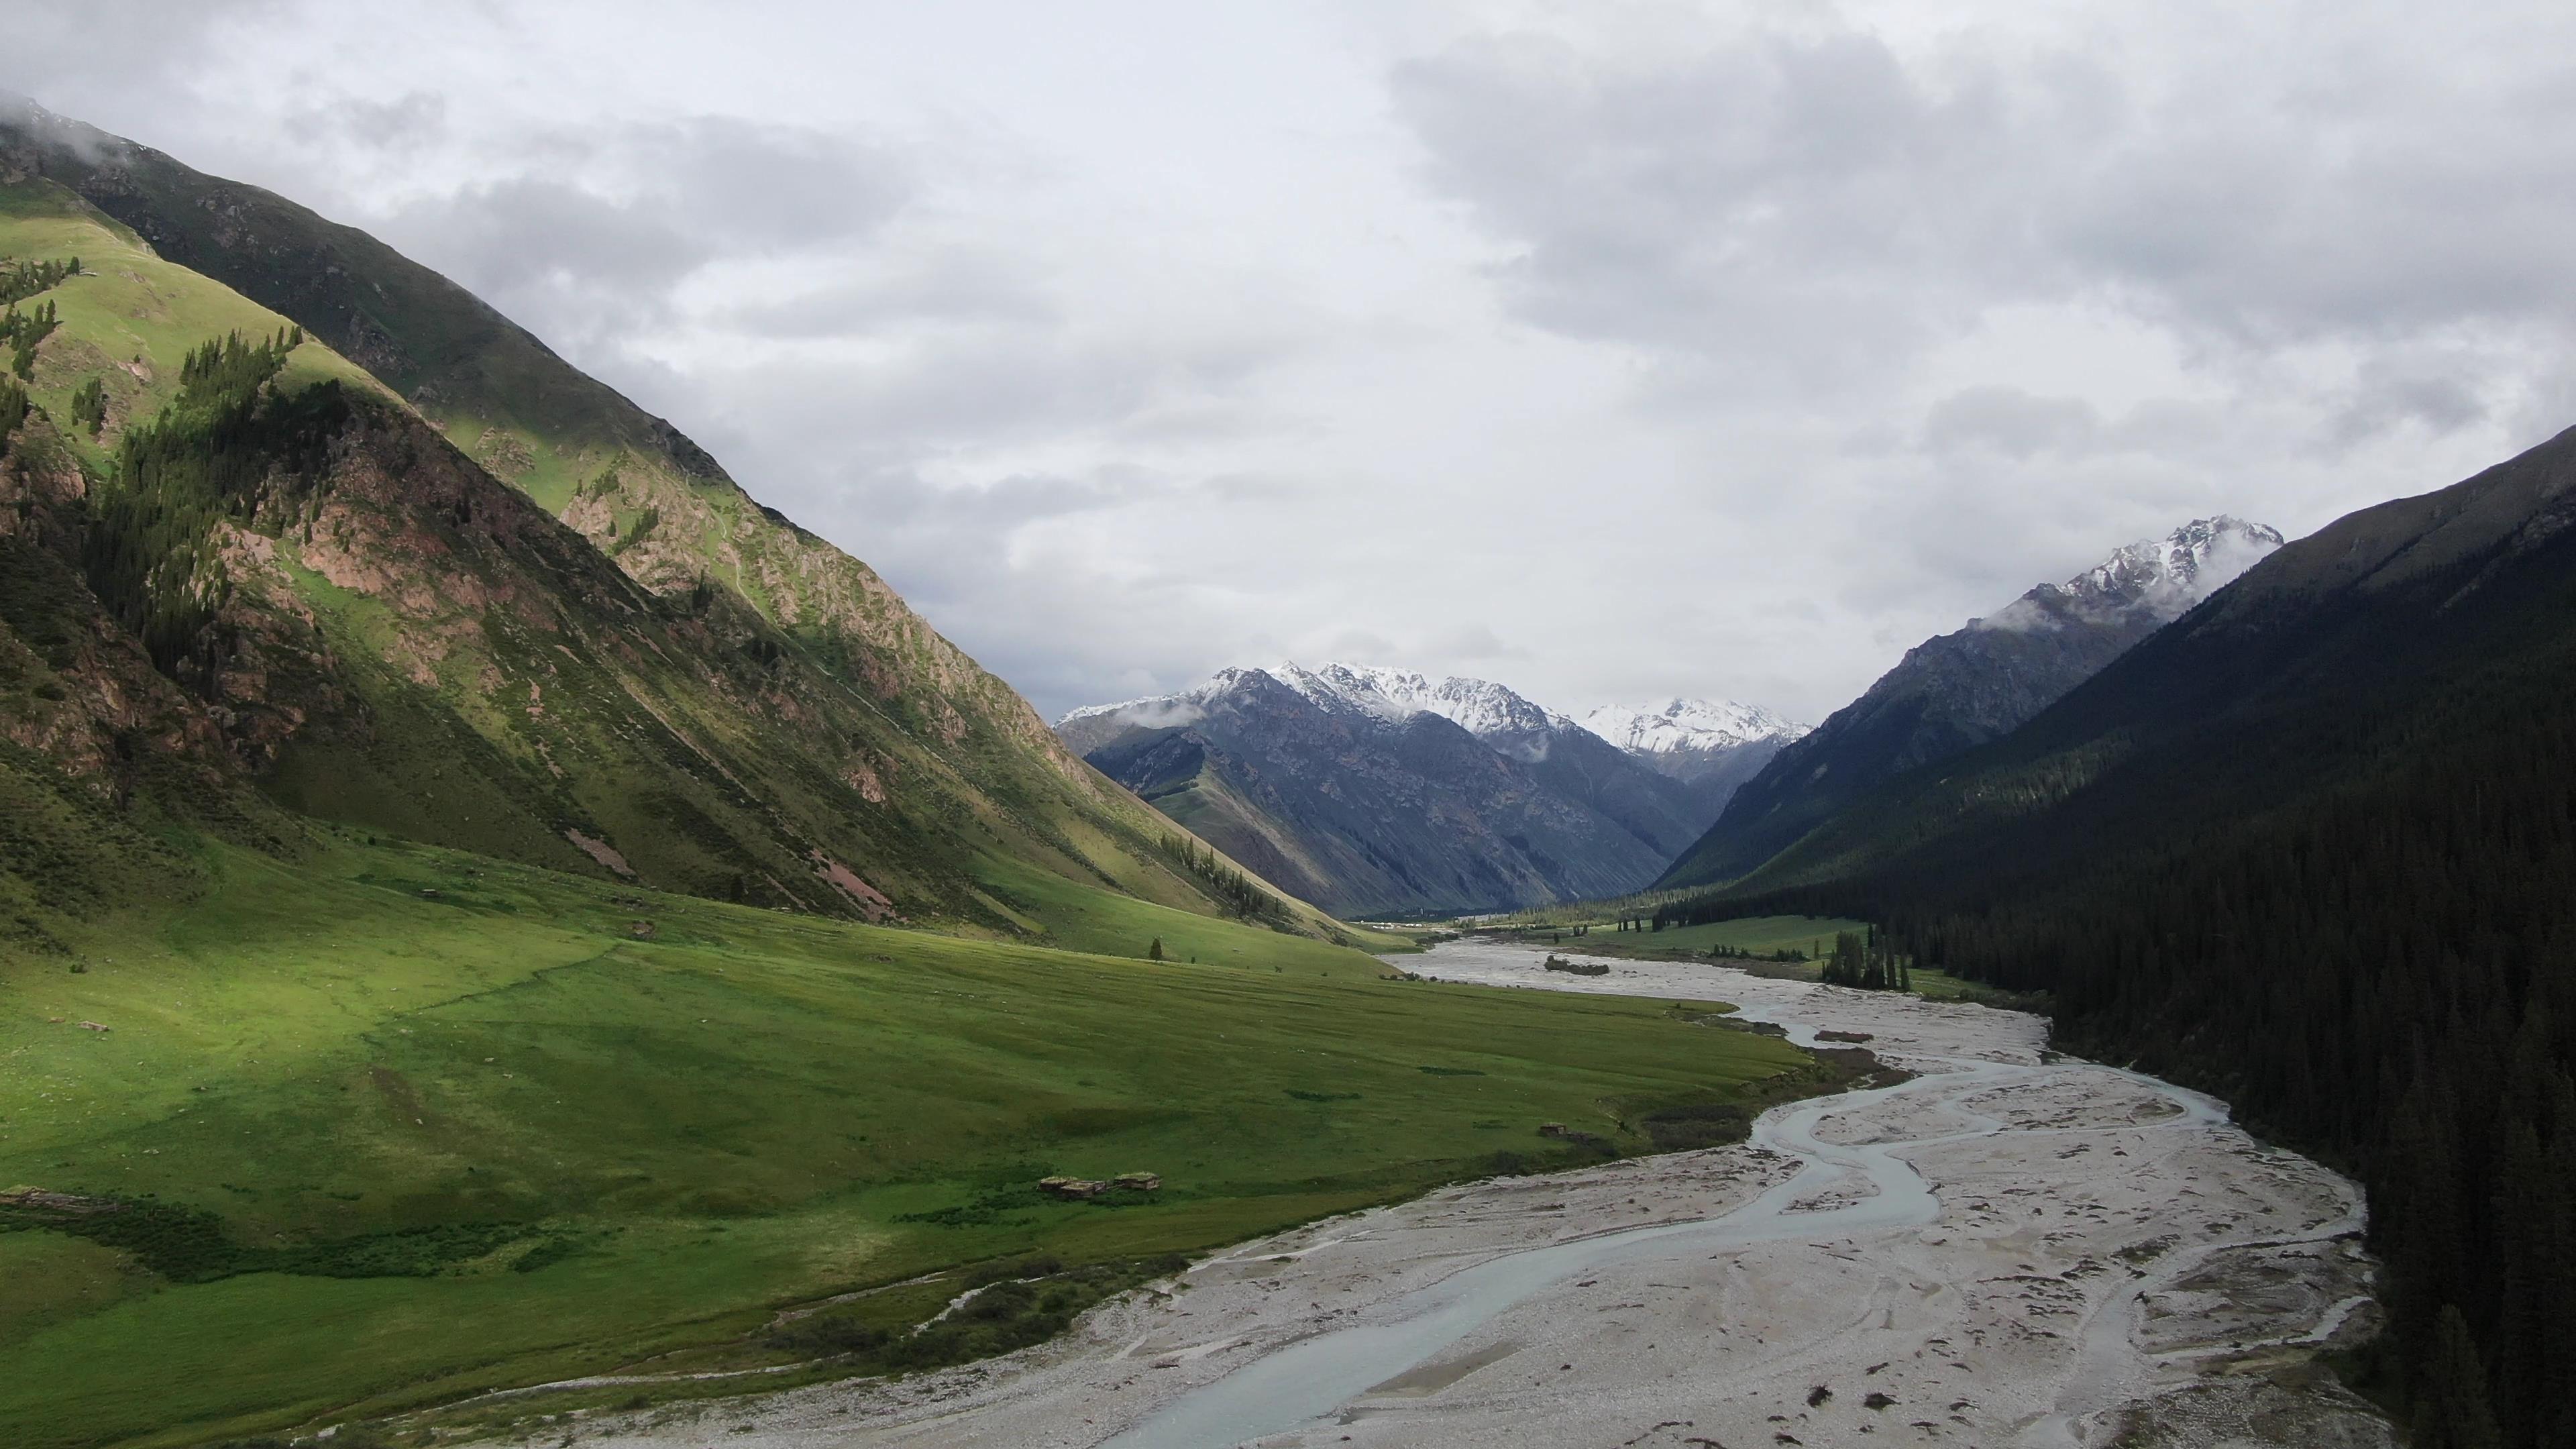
[(2454, 1405)]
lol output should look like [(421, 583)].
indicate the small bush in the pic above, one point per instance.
[(1697, 1124)]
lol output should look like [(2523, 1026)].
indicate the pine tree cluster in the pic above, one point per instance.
[(21, 280), (1232, 888), (1866, 961), (151, 555), (14, 408), (89, 406), (21, 331)]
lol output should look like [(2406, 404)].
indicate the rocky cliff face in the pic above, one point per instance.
[(1962, 689)]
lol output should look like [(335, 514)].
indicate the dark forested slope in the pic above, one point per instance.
[(1955, 692), (2313, 847)]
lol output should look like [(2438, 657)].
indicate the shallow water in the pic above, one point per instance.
[(1308, 1381)]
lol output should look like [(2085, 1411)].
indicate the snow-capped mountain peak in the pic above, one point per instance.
[(1482, 708), (1687, 724), (2160, 577)]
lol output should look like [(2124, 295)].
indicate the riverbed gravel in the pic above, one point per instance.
[(2101, 1258)]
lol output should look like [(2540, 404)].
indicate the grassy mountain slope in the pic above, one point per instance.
[(448, 1123), (2311, 847), (938, 738), (413, 646)]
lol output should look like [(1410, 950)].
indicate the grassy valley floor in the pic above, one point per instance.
[(393, 1125), (1809, 938)]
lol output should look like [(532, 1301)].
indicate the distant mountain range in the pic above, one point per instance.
[(1960, 690), (1370, 790), (1713, 746)]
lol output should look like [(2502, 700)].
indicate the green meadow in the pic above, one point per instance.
[(1761, 935), (395, 1125), (1813, 936)]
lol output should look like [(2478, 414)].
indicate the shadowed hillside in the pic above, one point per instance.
[(2311, 848)]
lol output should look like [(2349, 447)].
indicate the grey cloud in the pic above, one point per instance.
[(2010, 421), (1822, 205), (1365, 645), (936, 387), (92, 60), (1472, 642), (951, 286), (406, 123), (2437, 390), (1807, 205), (771, 187), (594, 248), (511, 234)]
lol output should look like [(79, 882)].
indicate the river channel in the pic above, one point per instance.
[(2009, 1248)]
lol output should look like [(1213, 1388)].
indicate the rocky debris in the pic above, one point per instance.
[(95, 1026), (1079, 1189), (1832, 1035), (598, 849), (640, 930), (1577, 968), (37, 1199)]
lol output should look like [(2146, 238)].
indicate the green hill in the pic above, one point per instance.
[(691, 694)]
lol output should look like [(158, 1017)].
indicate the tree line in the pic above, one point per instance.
[(1231, 888), (20, 280), (1866, 961)]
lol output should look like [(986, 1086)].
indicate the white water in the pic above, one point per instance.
[(1310, 1380)]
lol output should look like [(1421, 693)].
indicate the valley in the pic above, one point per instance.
[(395, 1125), (507, 938), (1987, 1253)]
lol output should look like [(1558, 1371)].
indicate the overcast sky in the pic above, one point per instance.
[(1611, 350)]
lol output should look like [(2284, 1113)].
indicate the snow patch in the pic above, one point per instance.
[(1688, 724), (2161, 578)]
